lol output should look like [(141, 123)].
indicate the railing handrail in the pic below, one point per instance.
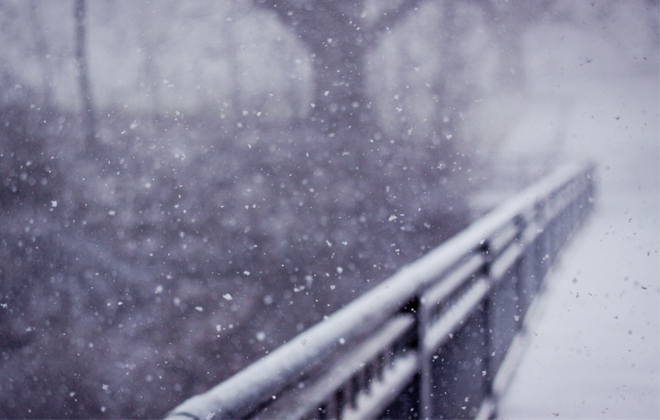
[(246, 391)]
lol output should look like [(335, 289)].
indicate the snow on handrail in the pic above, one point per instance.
[(250, 389)]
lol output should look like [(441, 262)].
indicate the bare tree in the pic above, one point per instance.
[(509, 20), (89, 120), (149, 47), (42, 50), (231, 51), (338, 35)]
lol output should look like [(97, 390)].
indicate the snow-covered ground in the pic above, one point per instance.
[(595, 350)]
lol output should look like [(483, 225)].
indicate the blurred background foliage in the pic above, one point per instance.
[(237, 191)]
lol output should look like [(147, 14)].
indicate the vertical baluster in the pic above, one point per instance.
[(426, 315), (352, 391), (488, 347), (339, 403), (382, 364), (387, 359), (369, 375), (520, 290), (322, 412)]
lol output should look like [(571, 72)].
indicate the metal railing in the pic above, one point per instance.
[(429, 341)]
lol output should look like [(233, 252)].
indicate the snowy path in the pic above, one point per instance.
[(595, 350)]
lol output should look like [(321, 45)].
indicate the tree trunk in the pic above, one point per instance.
[(338, 38), (232, 50), (41, 49), (152, 75), (89, 123)]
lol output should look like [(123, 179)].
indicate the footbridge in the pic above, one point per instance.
[(435, 340)]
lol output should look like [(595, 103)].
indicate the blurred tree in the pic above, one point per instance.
[(508, 21), (89, 121), (232, 47), (42, 51), (150, 39), (338, 35)]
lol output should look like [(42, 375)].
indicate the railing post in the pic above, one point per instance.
[(425, 367), (527, 271), (489, 377), (519, 286), (409, 404)]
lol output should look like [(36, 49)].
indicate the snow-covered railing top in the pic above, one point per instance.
[(386, 352)]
